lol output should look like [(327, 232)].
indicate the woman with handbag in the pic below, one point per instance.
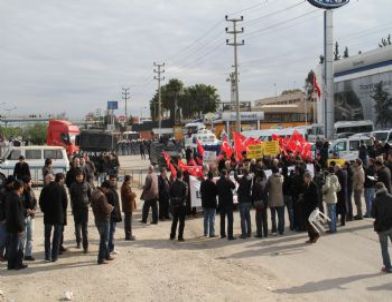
[(259, 198)]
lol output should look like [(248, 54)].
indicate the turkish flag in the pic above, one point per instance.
[(239, 145), (316, 86), (170, 166), (226, 148)]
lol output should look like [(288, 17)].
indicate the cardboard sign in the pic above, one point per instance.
[(255, 151), (209, 156), (271, 148), (339, 161)]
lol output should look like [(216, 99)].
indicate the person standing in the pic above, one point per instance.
[(329, 190), (30, 204), (382, 212), (142, 150), (276, 202), (80, 192), (208, 193), (70, 177), (369, 187), (350, 174), (4, 192), (178, 196), (128, 200), (287, 195), (310, 200), (150, 196), (383, 174), (163, 189), (48, 168), (363, 153), (102, 210), (15, 224), (358, 187), (260, 202), (60, 179), (114, 200), (341, 208), (21, 169), (245, 202), (52, 201), (225, 189)]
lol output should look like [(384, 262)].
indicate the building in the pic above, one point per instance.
[(289, 109), (355, 81)]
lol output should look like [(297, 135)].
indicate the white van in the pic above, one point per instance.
[(384, 136), (35, 156), (348, 148)]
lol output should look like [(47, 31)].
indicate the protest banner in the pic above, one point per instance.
[(271, 148), (255, 151)]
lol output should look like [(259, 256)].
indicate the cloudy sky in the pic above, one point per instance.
[(72, 56)]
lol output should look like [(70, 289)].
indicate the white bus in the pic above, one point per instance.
[(350, 128)]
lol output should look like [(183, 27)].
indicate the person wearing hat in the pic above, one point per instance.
[(382, 212), (21, 169)]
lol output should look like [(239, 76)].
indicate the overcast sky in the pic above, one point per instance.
[(74, 55)]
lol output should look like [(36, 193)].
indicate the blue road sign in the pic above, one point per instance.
[(328, 4), (112, 105)]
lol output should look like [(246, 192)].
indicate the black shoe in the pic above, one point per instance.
[(54, 260), (223, 236), (181, 239), (29, 258), (172, 237), (258, 236), (154, 222), (231, 238), (132, 238), (85, 251), (22, 266), (243, 236), (78, 245), (142, 221), (62, 249), (358, 218)]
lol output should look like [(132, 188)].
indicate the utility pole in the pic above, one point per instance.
[(231, 79), (159, 70), (125, 97), (235, 43)]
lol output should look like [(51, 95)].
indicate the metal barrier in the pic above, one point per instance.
[(138, 176), (35, 172)]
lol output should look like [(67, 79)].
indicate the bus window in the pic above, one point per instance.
[(340, 147), (14, 155), (354, 145)]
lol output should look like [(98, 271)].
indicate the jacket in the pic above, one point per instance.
[(114, 200), (80, 196), (178, 193), (244, 188), (128, 199), (29, 201), (101, 207), (330, 188), (21, 170), (384, 176), (15, 214), (342, 194), (310, 199), (382, 211), (358, 178), (150, 188), (53, 202), (275, 190), (163, 188), (3, 195), (369, 171), (225, 189), (208, 193), (259, 192)]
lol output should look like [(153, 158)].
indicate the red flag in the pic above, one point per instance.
[(196, 171), (200, 149), (316, 86), (169, 165), (226, 148), (275, 137), (239, 145)]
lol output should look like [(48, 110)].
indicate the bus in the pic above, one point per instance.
[(349, 128)]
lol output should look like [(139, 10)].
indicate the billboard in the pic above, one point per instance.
[(354, 97)]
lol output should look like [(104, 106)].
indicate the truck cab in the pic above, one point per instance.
[(63, 133)]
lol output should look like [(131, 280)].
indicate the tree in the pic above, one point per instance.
[(336, 53), (346, 54), (385, 42), (383, 105), (199, 99), (36, 134)]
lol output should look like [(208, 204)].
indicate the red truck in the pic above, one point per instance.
[(63, 133)]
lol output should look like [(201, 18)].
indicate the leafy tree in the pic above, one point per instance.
[(199, 99), (36, 134), (383, 105)]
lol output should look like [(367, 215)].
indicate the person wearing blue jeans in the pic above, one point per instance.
[(246, 224), (114, 199), (103, 230), (208, 193), (112, 230), (52, 246), (370, 191), (280, 212), (369, 198), (209, 222), (331, 208), (27, 240)]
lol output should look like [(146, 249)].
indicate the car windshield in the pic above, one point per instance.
[(381, 136)]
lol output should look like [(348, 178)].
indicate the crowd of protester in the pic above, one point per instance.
[(273, 187)]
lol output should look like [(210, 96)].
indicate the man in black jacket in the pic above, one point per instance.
[(7, 189), (114, 200), (163, 189), (30, 204), (52, 202), (208, 193), (80, 192), (15, 224), (178, 195), (383, 174), (310, 201), (382, 212), (21, 169), (225, 189)]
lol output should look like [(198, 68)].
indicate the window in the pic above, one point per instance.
[(354, 145), (339, 147), (53, 154), (14, 155), (33, 154)]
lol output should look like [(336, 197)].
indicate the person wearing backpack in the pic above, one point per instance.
[(329, 191), (80, 192)]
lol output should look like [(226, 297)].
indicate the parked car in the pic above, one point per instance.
[(348, 148)]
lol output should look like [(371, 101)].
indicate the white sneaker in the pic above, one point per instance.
[(116, 252)]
